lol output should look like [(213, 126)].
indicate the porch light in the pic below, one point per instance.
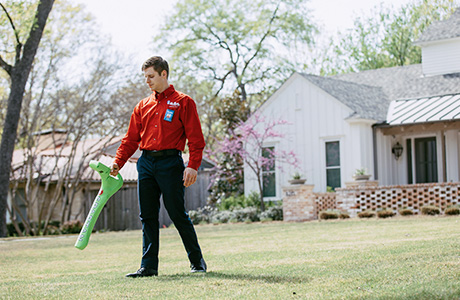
[(397, 150)]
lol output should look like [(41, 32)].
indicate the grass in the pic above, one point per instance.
[(398, 258)]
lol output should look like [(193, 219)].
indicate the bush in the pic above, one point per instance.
[(235, 202), (386, 213), (73, 226), (366, 214), (328, 215), (430, 210), (247, 214), (202, 215), (12, 231), (452, 211), (344, 215), (223, 217), (406, 212), (275, 213)]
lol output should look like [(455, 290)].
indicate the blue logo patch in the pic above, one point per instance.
[(169, 115)]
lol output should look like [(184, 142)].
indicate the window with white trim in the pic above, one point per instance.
[(269, 174), (333, 164)]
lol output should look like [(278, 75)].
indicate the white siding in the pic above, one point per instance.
[(441, 58), (316, 118), (452, 162), (386, 164)]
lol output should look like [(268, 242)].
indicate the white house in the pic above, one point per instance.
[(402, 124)]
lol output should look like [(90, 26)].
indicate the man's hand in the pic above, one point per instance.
[(189, 176), (114, 170)]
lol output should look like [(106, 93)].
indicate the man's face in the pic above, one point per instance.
[(156, 82)]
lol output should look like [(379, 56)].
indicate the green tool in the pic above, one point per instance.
[(109, 187)]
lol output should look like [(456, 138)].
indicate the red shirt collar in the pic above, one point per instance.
[(166, 93)]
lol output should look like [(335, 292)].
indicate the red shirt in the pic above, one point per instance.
[(164, 121)]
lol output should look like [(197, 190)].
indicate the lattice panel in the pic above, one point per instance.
[(325, 201), (414, 198)]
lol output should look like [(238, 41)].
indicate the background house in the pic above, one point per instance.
[(358, 120)]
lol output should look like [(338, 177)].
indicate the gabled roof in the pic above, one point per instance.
[(369, 93), (442, 30), (406, 82), (368, 102)]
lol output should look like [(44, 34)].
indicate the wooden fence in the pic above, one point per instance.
[(122, 210)]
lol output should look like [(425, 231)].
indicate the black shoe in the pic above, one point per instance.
[(143, 272), (198, 268)]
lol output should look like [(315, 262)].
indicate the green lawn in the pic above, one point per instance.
[(401, 258)]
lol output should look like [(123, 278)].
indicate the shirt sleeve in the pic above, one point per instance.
[(130, 142), (193, 133)]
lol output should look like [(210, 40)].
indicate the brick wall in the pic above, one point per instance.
[(301, 204)]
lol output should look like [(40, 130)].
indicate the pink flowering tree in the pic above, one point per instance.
[(248, 143)]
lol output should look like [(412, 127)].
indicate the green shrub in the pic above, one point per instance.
[(223, 217), (452, 211), (366, 214), (247, 213), (344, 215), (406, 212), (73, 226), (430, 210), (328, 215), (386, 213), (12, 230), (275, 213), (235, 202), (202, 215)]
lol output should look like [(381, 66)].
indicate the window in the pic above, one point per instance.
[(333, 164), (268, 174)]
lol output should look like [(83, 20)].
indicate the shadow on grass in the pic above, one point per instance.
[(244, 277)]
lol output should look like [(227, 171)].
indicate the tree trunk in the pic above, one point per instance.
[(19, 75), (261, 191)]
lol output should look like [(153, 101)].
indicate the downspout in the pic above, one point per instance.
[(374, 151)]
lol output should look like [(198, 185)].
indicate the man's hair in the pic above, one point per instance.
[(158, 64)]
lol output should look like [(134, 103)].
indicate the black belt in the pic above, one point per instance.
[(168, 152)]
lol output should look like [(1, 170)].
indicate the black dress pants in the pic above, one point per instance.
[(163, 176)]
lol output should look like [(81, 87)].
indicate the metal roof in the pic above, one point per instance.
[(421, 110)]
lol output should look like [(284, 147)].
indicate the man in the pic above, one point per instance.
[(160, 125)]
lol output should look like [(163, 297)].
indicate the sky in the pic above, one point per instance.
[(132, 26)]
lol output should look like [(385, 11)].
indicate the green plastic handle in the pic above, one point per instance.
[(110, 185)]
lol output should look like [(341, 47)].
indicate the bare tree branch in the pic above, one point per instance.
[(5, 66), (16, 34)]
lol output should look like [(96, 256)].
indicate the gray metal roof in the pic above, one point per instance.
[(430, 109), (442, 30)]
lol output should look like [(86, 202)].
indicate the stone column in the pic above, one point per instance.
[(298, 203)]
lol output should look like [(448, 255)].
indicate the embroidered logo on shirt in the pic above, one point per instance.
[(169, 115), (175, 104)]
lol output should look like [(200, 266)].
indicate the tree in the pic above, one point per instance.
[(236, 50), (383, 39), (248, 143), (19, 73), (232, 43)]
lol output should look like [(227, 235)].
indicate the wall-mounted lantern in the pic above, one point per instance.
[(397, 150)]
